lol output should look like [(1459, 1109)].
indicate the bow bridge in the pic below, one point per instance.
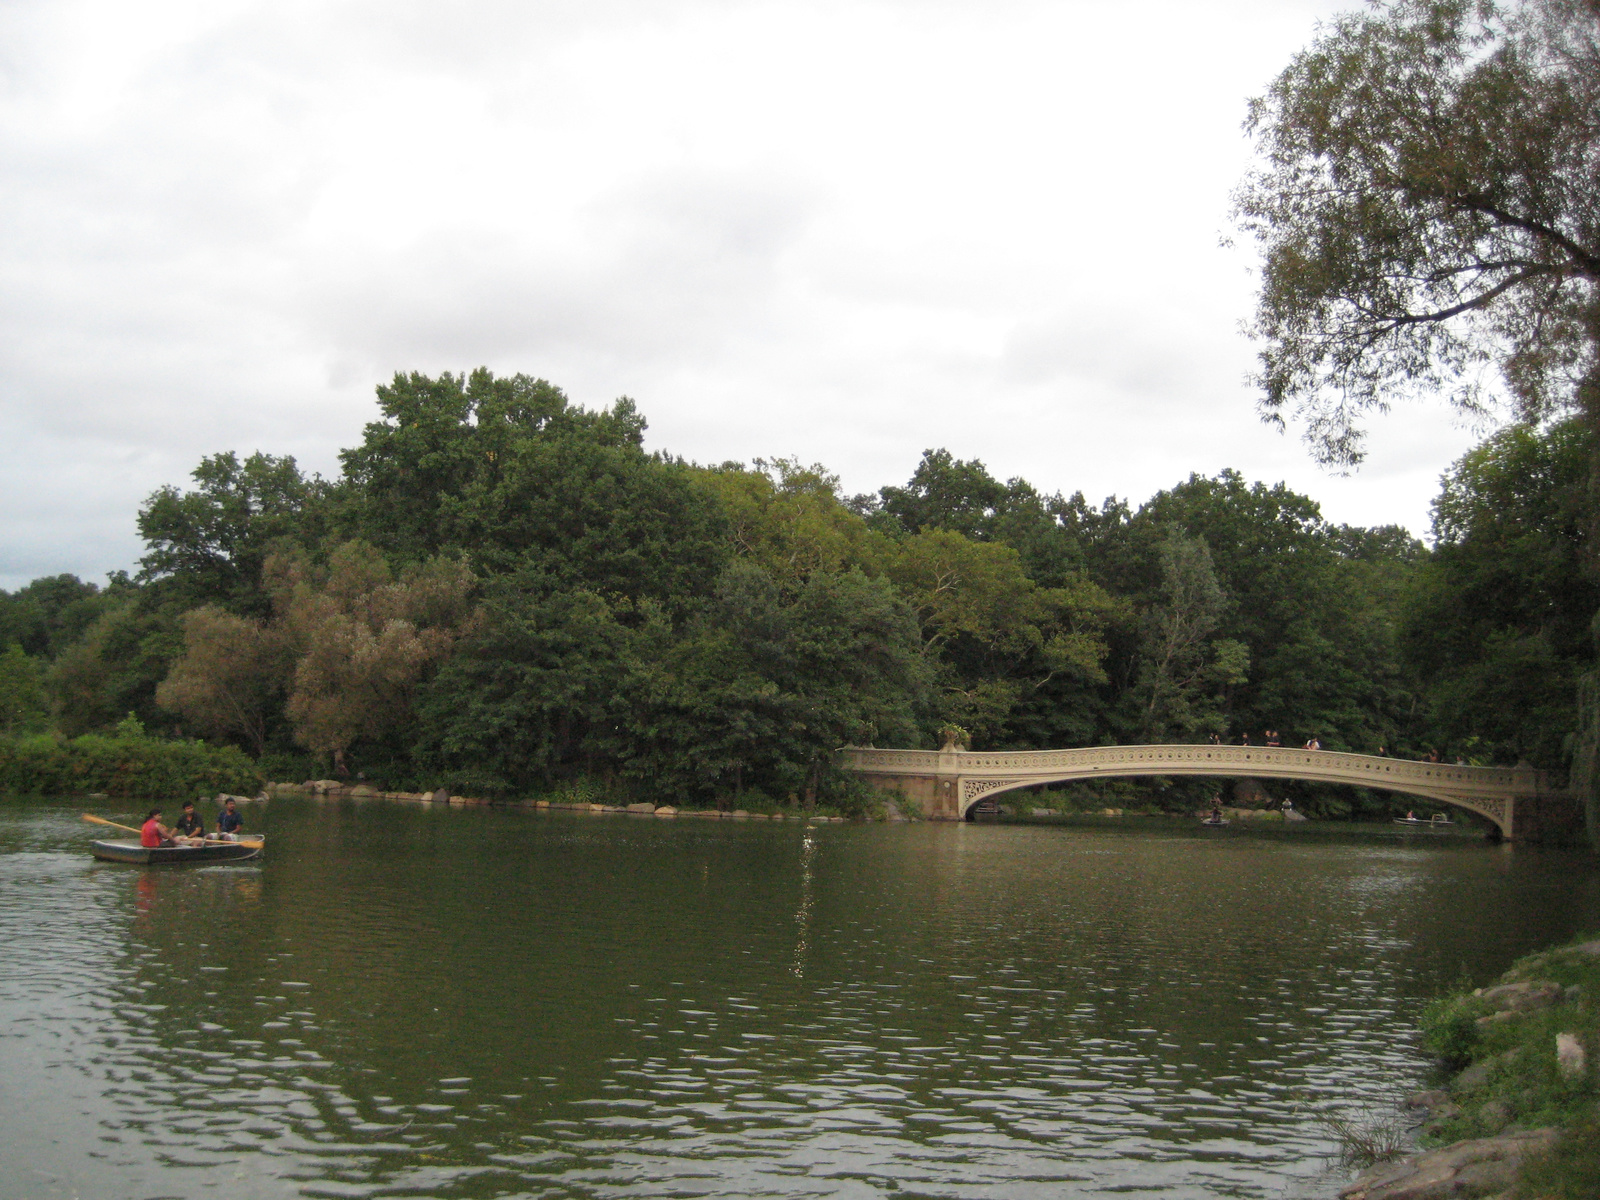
[(947, 783)]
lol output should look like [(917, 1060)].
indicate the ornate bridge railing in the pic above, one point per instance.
[(948, 782)]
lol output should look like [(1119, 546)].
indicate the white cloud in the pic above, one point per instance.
[(846, 231)]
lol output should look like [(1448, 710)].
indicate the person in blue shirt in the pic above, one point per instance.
[(229, 820)]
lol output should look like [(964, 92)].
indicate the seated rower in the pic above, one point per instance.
[(153, 834), (229, 822), (190, 830)]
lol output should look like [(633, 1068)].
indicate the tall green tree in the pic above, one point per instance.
[(790, 520), (510, 475), (1315, 608), (1427, 207), (1184, 670), (995, 638), (761, 688), (962, 497), (1497, 629), (51, 613), (22, 697), (208, 545), (115, 667)]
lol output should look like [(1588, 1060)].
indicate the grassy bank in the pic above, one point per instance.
[(1523, 1056), (126, 764)]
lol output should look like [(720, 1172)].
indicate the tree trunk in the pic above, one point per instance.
[(1583, 776)]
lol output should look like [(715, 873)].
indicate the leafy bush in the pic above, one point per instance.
[(847, 795), (126, 763), (1450, 1029)]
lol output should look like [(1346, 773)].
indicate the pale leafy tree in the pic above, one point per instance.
[(363, 640), (230, 677), (1183, 669), (790, 520), (1428, 204)]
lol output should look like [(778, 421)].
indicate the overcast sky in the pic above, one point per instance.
[(842, 231)]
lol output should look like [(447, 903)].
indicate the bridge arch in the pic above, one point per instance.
[(947, 783)]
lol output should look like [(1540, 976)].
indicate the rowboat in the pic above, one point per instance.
[(1215, 822), (133, 852)]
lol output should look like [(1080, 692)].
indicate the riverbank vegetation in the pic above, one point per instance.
[(126, 762), (1522, 1052), (505, 593)]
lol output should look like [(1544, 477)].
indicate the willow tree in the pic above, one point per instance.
[(1428, 204), (1427, 201)]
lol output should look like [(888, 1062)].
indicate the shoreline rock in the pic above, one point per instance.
[(1480, 1167)]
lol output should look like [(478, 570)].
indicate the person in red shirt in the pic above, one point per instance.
[(153, 833)]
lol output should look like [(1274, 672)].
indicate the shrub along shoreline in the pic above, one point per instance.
[(127, 763), (1520, 1115)]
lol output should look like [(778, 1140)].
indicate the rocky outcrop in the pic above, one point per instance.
[(1510, 1000), (1481, 1167), (1523, 996)]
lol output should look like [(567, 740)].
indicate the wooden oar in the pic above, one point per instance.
[(113, 824), (257, 844)]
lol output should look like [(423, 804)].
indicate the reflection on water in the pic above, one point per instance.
[(402, 1002)]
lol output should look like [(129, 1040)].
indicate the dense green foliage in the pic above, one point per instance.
[(124, 763), (1498, 622), (505, 593)]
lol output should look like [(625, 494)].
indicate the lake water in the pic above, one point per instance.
[(401, 1001)]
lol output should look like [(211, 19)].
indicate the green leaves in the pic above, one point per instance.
[(208, 545), (1498, 623), (510, 475), (1426, 208), (22, 699)]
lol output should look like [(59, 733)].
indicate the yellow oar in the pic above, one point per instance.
[(113, 824), (102, 821)]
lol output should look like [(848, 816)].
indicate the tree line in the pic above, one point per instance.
[(505, 592)]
